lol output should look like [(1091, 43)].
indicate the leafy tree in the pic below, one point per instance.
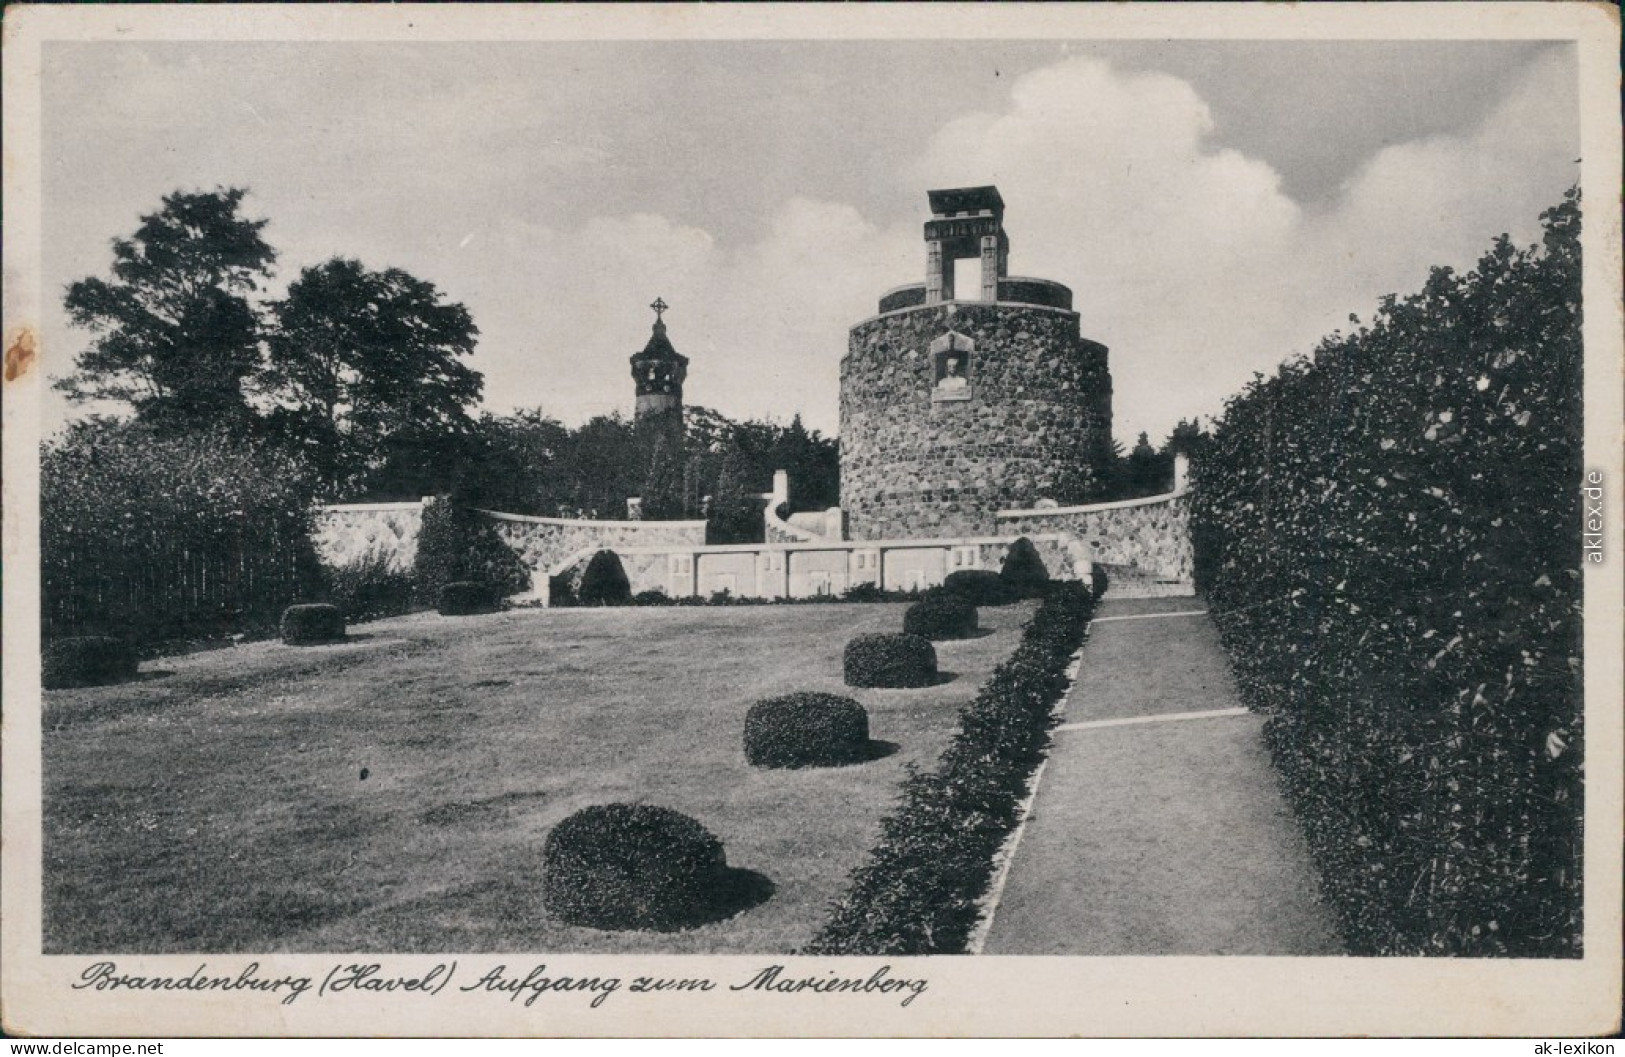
[(1187, 437), (662, 484), (1144, 471), (176, 335), (515, 465), (814, 464), (735, 515), (367, 369), (600, 467)]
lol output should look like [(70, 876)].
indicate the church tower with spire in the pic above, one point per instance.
[(658, 372)]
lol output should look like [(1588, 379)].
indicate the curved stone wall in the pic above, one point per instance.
[(908, 296), (915, 463), (542, 543), (1019, 289), (1150, 536)]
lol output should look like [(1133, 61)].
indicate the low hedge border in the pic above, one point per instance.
[(917, 893), (858, 593)]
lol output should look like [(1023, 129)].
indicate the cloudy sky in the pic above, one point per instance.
[(1215, 206)]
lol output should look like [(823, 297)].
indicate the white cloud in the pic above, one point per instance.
[(1190, 261)]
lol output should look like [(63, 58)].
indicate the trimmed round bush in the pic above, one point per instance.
[(940, 616), (1023, 571), (462, 597), (631, 866), (312, 624), (806, 730), (890, 660), (979, 587), (604, 583), (88, 660)]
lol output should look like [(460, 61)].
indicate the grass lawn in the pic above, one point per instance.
[(218, 803)]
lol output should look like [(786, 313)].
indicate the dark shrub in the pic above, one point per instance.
[(604, 583), (979, 587), (806, 729), (1098, 581), (312, 624), (654, 597), (461, 597), (890, 660), (940, 616), (1023, 571), (864, 592), (631, 866), (457, 543), (561, 590), (90, 660), (370, 588)]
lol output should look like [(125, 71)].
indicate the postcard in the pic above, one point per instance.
[(791, 520)]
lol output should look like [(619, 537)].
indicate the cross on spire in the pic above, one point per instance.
[(659, 306)]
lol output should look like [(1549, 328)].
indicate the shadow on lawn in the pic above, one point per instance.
[(876, 750), (735, 892)]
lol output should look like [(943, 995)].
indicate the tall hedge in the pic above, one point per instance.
[(1388, 536), (148, 538)]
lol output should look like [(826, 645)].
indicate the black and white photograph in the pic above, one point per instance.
[(917, 520)]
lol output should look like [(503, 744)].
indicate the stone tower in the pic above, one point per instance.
[(955, 404), (658, 373)]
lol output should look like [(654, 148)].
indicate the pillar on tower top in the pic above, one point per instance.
[(967, 223)]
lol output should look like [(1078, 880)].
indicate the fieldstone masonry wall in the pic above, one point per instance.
[(1037, 406), (1146, 541), (345, 535), (543, 543)]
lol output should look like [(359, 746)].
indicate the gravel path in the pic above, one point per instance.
[(1157, 827)]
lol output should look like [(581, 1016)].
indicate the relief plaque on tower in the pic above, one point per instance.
[(951, 367)]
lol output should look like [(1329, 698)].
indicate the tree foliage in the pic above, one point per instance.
[(366, 367), (529, 463), (735, 513), (662, 493), (176, 336), (151, 537)]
